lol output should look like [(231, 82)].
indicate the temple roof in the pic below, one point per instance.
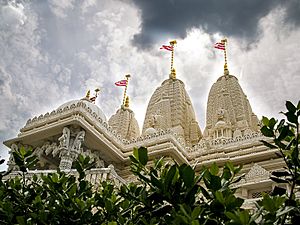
[(228, 103), (170, 107), (89, 104), (124, 122)]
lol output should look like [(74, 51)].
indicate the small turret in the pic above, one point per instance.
[(124, 122)]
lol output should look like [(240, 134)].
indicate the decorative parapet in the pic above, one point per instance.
[(204, 145), (95, 176)]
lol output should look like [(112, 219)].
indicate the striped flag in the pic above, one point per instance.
[(121, 83), (167, 47), (220, 45)]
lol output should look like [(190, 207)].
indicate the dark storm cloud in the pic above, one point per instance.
[(292, 11), (238, 18)]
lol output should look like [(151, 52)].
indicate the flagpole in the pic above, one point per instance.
[(224, 41), (172, 43), (124, 97)]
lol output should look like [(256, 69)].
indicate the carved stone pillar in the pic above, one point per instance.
[(69, 148)]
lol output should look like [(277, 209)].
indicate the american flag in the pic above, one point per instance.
[(121, 83), (167, 47), (220, 45)]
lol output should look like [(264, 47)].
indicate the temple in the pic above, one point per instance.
[(170, 129)]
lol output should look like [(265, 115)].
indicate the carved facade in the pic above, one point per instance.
[(170, 129)]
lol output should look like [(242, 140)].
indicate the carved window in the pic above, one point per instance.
[(219, 133), (258, 193)]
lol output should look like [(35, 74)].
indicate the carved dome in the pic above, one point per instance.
[(124, 123), (170, 107), (227, 102), (88, 104), (149, 131)]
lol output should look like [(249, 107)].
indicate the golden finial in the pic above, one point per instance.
[(88, 94), (127, 102), (93, 99), (127, 80), (226, 71), (173, 74), (172, 43)]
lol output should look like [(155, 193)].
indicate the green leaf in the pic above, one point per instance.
[(283, 133), (23, 151), (196, 212), (219, 197), (188, 176), (272, 123), (280, 173), (143, 155), (265, 121), (21, 220), (232, 216), (205, 193), (278, 191), (290, 107), (244, 217), (291, 117), (170, 175), (133, 159), (267, 132), (278, 180), (195, 222), (214, 169), (136, 153)]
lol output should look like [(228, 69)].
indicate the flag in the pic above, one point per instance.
[(121, 83), (220, 45), (167, 47), (93, 99)]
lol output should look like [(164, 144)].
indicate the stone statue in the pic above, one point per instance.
[(11, 162), (65, 138), (78, 141)]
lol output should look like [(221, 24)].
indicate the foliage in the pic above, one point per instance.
[(282, 206), (164, 193)]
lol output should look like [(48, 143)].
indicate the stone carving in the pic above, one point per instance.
[(11, 162), (78, 141), (257, 172), (68, 153), (65, 138)]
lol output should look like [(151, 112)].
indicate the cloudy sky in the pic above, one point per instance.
[(54, 51)]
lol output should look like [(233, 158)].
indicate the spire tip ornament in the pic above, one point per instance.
[(127, 102), (172, 43), (127, 80), (173, 74), (223, 46), (88, 93), (226, 71)]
